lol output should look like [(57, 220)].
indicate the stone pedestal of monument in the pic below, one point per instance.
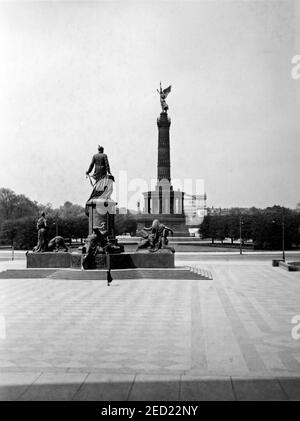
[(101, 211), (142, 259), (53, 260)]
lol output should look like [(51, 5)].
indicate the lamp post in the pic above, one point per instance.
[(282, 235), (241, 241), (283, 245), (56, 225)]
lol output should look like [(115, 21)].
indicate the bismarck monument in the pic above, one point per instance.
[(101, 249), (100, 208), (164, 203)]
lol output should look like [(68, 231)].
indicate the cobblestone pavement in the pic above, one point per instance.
[(225, 338)]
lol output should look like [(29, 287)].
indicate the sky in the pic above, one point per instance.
[(77, 74)]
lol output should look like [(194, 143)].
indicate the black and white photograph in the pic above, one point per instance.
[(149, 203)]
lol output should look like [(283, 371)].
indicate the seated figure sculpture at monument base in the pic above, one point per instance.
[(55, 244), (155, 238), (98, 243)]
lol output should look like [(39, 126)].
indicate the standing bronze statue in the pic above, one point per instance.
[(103, 186), (101, 164), (163, 93), (41, 226)]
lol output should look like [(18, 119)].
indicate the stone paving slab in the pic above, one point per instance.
[(105, 387), (258, 390), (13, 385), (155, 388), (54, 386), (206, 389), (291, 387), (59, 386)]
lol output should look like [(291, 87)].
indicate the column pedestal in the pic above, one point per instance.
[(101, 211)]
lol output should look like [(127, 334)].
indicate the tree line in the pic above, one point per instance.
[(263, 227), (19, 214)]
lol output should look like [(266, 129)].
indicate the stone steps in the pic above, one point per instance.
[(201, 272), (26, 273), (118, 274)]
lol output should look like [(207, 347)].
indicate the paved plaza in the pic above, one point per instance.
[(226, 338)]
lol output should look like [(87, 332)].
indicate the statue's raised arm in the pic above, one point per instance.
[(163, 93)]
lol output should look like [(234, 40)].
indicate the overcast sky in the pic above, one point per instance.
[(75, 75)]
